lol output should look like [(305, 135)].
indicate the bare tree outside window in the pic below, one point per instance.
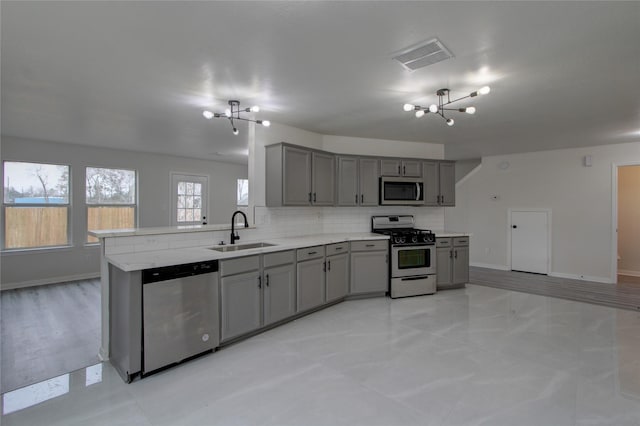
[(111, 199)]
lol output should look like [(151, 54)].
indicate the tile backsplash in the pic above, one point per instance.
[(278, 223)]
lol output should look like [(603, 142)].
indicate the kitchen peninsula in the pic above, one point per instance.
[(254, 285)]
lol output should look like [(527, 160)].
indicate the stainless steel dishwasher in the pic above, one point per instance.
[(179, 313)]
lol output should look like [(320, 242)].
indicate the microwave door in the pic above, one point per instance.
[(417, 191)]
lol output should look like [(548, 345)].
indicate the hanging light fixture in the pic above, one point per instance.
[(443, 100), (233, 113)]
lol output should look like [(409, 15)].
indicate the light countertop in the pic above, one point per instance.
[(159, 230), (158, 258)]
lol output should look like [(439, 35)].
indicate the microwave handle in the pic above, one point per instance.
[(418, 188)]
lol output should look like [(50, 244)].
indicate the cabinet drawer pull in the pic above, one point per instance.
[(338, 248), (312, 252), (370, 245)]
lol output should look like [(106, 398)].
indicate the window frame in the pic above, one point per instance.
[(237, 182), (87, 205), (68, 205)]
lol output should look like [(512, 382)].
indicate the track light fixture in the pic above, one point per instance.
[(440, 108), (233, 113)]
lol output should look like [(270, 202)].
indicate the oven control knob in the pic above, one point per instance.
[(414, 239), (400, 240), (426, 238)]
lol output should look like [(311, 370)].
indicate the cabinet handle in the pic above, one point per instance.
[(266, 282), (314, 197), (356, 198), (399, 170), (329, 263), (361, 198), (309, 197), (259, 282), (456, 256), (450, 254), (324, 266), (404, 170)]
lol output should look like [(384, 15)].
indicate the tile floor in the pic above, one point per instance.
[(474, 356)]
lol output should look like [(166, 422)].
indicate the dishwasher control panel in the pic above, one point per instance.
[(172, 272)]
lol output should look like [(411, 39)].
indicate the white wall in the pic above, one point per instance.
[(579, 197), (154, 195), (629, 220)]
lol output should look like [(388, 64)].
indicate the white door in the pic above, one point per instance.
[(530, 241), (189, 199)]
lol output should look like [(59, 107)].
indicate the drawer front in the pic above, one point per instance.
[(310, 253), (279, 258), (443, 242), (369, 245), (337, 248), (239, 265), (461, 241)]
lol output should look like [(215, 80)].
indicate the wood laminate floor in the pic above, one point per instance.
[(621, 295), (48, 331)]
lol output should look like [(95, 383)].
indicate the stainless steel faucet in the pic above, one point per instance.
[(234, 235)]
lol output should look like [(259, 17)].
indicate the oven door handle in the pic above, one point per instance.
[(421, 277), (418, 188)]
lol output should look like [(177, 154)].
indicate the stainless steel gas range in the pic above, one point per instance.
[(413, 255)]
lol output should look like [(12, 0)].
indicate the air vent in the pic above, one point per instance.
[(423, 54)]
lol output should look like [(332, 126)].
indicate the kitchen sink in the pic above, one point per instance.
[(236, 247)]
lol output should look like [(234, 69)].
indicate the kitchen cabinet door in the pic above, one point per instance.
[(369, 181), (369, 272), (443, 266), (323, 179), (337, 276), (447, 184), (411, 168), (310, 284), (460, 268), (347, 181), (297, 177), (279, 293), (430, 176), (240, 304), (390, 167)]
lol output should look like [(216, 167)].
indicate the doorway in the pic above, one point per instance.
[(530, 240), (628, 225), (189, 199)]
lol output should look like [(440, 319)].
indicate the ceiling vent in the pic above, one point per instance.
[(423, 54)]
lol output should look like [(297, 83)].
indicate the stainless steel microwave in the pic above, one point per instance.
[(401, 191)]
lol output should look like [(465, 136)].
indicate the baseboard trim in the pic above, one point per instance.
[(46, 281), (628, 273), (489, 266), (603, 280)]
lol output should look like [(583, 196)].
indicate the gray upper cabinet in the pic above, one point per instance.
[(399, 167), (296, 176), (323, 179), (439, 183), (357, 183)]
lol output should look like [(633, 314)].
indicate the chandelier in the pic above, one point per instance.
[(443, 100), (233, 113)]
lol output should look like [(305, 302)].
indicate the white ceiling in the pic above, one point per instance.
[(136, 75)]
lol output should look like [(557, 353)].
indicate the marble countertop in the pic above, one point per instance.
[(158, 258), (159, 230), (448, 233)]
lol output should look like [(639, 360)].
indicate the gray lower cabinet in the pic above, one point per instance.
[(310, 278), (240, 304), (323, 171), (279, 293), (452, 257), (337, 276), (369, 267)]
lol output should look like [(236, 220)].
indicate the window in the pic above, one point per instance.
[(36, 205), (243, 192), (110, 198)]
